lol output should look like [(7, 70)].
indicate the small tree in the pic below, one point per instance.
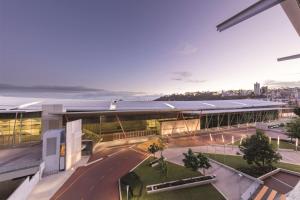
[(195, 161), (163, 167), (153, 148), (293, 129), (190, 160), (203, 162), (259, 151)]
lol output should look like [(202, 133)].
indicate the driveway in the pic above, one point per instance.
[(100, 180)]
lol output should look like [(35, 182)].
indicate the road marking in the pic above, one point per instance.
[(115, 153), (95, 161), (92, 187)]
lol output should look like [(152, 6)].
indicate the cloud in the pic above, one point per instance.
[(274, 83), (77, 92), (187, 49), (185, 76)]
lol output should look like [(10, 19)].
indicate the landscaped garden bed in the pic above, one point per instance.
[(152, 175), (180, 184)]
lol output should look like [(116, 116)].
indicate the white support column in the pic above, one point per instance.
[(119, 121)]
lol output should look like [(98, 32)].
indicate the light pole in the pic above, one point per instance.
[(224, 147), (127, 189), (296, 144), (278, 141), (211, 139)]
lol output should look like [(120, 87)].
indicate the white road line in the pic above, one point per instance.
[(95, 161), (115, 153), (92, 187), (138, 151)]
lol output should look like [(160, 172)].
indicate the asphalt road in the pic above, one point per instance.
[(100, 180)]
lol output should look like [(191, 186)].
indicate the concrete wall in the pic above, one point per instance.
[(180, 126), (73, 143), (50, 121), (23, 191)]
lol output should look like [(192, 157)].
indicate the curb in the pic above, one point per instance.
[(214, 185)]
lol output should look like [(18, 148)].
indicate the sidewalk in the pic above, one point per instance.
[(47, 187)]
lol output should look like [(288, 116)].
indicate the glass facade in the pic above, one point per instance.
[(118, 126), (20, 128)]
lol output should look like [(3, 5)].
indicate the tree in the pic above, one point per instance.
[(293, 128), (163, 167), (203, 162), (195, 161), (153, 148), (259, 151), (297, 111)]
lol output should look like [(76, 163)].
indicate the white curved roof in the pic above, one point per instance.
[(13, 103)]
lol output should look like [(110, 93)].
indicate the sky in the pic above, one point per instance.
[(140, 48)]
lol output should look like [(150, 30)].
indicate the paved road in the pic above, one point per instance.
[(100, 180)]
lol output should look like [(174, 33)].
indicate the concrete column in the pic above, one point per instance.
[(49, 119)]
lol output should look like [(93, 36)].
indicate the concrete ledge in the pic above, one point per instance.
[(184, 185), (275, 171)]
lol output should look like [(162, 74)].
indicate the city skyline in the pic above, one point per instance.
[(142, 48)]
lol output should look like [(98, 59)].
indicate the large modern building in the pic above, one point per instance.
[(23, 120)]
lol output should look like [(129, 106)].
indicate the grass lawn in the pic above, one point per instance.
[(8, 187), (283, 144), (149, 175), (238, 162)]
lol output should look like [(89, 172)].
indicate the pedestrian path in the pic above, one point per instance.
[(229, 182)]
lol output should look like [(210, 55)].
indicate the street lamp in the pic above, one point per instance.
[(127, 189), (224, 146), (296, 144), (240, 178)]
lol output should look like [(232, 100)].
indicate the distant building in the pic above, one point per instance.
[(256, 89)]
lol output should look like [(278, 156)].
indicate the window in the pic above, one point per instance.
[(51, 146)]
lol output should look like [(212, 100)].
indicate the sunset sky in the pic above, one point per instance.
[(141, 47)]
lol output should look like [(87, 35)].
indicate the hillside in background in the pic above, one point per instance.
[(203, 96)]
